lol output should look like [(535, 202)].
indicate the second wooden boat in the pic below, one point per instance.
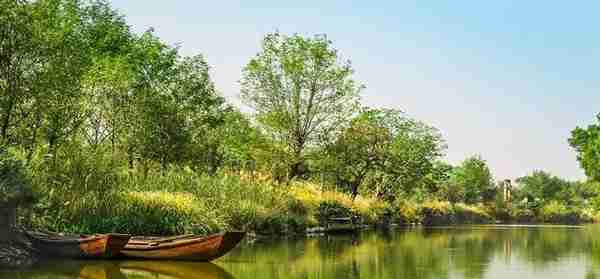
[(101, 246), (186, 247)]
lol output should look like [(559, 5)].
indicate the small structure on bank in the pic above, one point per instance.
[(506, 188)]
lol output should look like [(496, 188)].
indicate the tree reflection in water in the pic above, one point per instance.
[(449, 252)]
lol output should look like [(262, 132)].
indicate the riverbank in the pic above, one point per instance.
[(183, 202)]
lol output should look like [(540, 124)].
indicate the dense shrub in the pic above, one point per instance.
[(331, 209), (15, 181), (556, 212), (436, 213), (523, 215), (406, 212), (155, 213), (471, 214), (379, 213)]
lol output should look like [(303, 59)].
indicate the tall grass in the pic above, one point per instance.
[(90, 194)]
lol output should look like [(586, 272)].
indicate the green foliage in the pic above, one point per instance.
[(117, 131), (470, 214), (473, 177), (301, 91), (406, 211), (387, 151), (437, 213), (586, 142), (452, 192), (332, 209), (15, 181), (556, 212), (358, 151), (540, 187), (156, 213)]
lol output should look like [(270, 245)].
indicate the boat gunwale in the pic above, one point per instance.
[(171, 245), (67, 240), (56, 239)]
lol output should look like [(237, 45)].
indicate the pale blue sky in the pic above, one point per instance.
[(507, 80)]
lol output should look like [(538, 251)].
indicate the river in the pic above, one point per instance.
[(446, 252)]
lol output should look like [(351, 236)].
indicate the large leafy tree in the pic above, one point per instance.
[(387, 148), (358, 150), (174, 105), (415, 149), (543, 186), (300, 89), (473, 177), (586, 142), (20, 53)]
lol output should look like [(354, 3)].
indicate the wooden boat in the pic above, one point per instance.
[(185, 247), (100, 246)]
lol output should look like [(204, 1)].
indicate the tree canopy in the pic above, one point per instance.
[(300, 89), (473, 177), (586, 142), (392, 151)]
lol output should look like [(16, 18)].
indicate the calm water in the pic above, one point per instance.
[(456, 252)]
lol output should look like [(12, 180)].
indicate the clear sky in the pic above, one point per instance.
[(507, 80)]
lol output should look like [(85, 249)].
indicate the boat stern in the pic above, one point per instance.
[(229, 241), (115, 243)]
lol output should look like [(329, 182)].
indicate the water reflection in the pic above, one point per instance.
[(121, 270), (457, 252)]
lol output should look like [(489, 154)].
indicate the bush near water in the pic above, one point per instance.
[(106, 130)]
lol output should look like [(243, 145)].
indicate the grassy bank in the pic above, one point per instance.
[(180, 201)]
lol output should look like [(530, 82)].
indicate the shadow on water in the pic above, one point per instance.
[(452, 252)]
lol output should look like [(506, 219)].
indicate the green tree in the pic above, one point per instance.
[(474, 176), (15, 190), (358, 150), (393, 152), (586, 142), (412, 153), (20, 53), (175, 104), (300, 90), (544, 187)]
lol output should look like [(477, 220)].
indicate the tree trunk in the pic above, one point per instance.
[(6, 120), (8, 219)]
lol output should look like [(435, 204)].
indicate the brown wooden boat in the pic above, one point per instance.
[(100, 246), (185, 247)]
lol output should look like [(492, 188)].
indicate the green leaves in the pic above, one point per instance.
[(299, 89), (15, 180), (393, 152), (473, 177), (543, 187), (586, 142)]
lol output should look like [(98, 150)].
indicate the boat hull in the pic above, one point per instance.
[(193, 248), (102, 246)]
